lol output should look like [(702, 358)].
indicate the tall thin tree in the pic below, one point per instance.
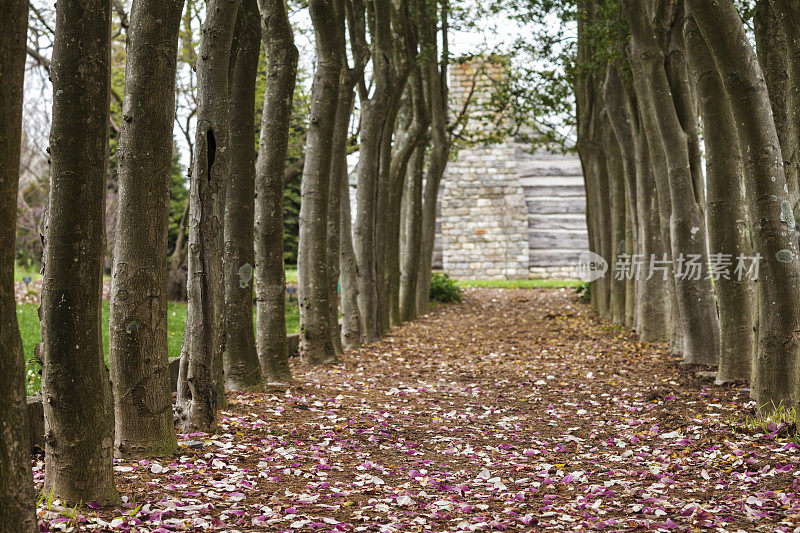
[(282, 58), (76, 392), (200, 382), (316, 345), (144, 423), (241, 365), (17, 502), (774, 376)]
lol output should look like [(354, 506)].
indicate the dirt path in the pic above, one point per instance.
[(515, 410)]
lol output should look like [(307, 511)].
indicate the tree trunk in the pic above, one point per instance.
[(407, 146), (774, 377), (177, 273), (282, 57), (684, 92), (338, 178), (788, 15), (615, 170), (338, 174), (351, 320), (619, 117), (653, 292), (144, 422), (658, 181), (76, 392), (411, 259), (17, 502), (316, 345), (374, 114), (773, 54), (728, 227), (241, 364), (694, 293), (201, 384), (435, 79)]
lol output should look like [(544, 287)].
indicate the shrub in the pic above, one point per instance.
[(444, 289)]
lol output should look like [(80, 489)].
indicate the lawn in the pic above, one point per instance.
[(21, 271), (176, 319), (520, 283)]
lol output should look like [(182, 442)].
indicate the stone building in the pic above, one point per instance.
[(504, 212)]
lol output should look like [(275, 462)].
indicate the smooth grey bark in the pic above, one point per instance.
[(773, 55), (413, 228), (683, 90), (591, 149), (774, 376), (76, 391), (406, 145), (630, 282), (282, 55), (337, 190), (351, 320), (658, 173), (653, 292), (434, 77), (728, 225), (619, 116), (316, 345), (338, 173), (242, 369), (616, 176), (200, 383), (788, 16), (694, 297), (374, 114), (144, 422), (348, 266), (17, 502)]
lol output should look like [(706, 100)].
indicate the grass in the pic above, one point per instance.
[(520, 283), (21, 271), (28, 318)]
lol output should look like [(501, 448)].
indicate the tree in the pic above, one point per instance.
[(774, 377), (144, 423), (338, 173), (434, 74), (241, 364), (411, 259), (315, 340), (278, 42), (375, 111), (410, 128), (200, 382), (17, 502), (619, 116), (76, 393), (693, 294), (728, 223), (784, 38)]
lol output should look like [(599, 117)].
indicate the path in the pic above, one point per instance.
[(514, 410)]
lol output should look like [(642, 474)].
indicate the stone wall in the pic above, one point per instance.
[(505, 213)]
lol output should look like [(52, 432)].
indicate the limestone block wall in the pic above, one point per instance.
[(505, 213), (484, 229)]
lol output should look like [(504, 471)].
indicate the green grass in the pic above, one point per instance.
[(29, 327), (291, 275), (21, 271), (520, 283)]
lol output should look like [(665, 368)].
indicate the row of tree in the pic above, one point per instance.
[(652, 74), (386, 52)]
